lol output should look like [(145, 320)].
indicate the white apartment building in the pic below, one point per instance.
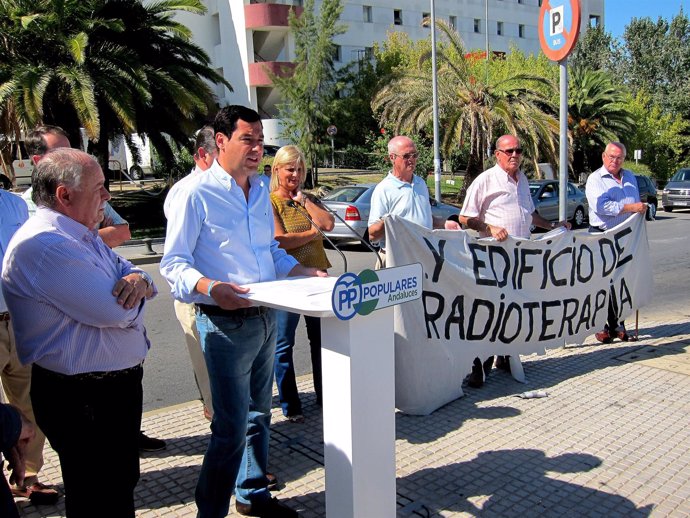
[(246, 37)]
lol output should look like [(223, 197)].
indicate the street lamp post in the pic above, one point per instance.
[(434, 86)]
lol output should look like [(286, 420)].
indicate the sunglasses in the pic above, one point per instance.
[(511, 151), (406, 156)]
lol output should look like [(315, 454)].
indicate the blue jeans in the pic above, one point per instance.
[(239, 355), (284, 365)]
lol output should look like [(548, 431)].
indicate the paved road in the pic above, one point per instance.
[(168, 376)]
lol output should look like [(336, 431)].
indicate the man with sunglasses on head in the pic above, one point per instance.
[(401, 193), (498, 204), (613, 195)]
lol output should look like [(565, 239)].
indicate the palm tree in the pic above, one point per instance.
[(113, 67), (597, 115), (472, 110)]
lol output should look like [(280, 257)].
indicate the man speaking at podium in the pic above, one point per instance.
[(220, 236)]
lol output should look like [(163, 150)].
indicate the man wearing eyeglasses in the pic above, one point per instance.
[(613, 195), (401, 193), (498, 204)]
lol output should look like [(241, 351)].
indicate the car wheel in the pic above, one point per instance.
[(652, 211), (578, 217), (668, 209), (366, 239), (136, 172)]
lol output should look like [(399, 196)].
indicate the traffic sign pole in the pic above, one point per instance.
[(559, 29)]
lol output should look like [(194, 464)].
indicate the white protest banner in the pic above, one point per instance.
[(482, 297)]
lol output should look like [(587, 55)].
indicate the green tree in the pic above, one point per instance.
[(309, 90), (472, 109), (662, 137), (110, 66), (657, 61), (597, 115), (595, 50)]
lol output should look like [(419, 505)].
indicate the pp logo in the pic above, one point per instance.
[(348, 295)]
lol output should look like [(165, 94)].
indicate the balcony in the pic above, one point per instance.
[(268, 16), (258, 75)]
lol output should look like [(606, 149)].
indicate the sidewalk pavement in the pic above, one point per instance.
[(610, 440)]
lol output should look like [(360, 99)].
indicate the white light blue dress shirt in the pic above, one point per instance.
[(215, 232), (58, 277), (407, 200), (607, 197)]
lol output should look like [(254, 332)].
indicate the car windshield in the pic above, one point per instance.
[(681, 176), (345, 194)]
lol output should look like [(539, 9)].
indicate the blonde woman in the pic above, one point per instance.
[(300, 239)]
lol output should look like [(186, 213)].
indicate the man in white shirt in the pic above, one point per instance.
[(220, 236), (401, 193), (498, 204)]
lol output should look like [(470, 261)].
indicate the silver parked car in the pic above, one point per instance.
[(353, 203), (676, 194), (545, 197)]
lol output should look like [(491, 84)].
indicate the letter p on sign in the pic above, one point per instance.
[(556, 21)]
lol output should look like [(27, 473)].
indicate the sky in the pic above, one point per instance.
[(619, 12)]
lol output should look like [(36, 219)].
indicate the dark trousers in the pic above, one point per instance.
[(93, 424), (612, 322)]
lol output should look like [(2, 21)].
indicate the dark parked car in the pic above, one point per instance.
[(676, 194), (545, 197), (353, 203), (647, 193)]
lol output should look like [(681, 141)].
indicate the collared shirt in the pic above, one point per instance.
[(496, 199), (215, 232), (58, 278), (607, 197), (13, 214), (109, 211), (407, 200)]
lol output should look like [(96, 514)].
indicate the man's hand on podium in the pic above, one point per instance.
[(226, 295)]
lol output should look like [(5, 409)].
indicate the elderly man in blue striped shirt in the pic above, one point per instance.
[(78, 314), (613, 196)]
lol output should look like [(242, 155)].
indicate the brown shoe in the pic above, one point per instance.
[(604, 337), (503, 363), (272, 482), (272, 508), (39, 494)]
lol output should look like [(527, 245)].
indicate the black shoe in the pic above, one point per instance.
[(147, 443), (272, 508), (272, 482), (476, 378), (503, 363)]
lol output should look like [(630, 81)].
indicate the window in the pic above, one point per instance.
[(369, 53), (594, 20), (521, 31), (540, 3), (453, 22), (521, 1), (499, 28), (337, 53), (477, 24), (424, 17), (397, 16), (366, 13)]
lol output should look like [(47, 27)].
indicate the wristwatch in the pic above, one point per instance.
[(147, 279)]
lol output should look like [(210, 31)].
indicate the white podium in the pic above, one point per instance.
[(358, 366)]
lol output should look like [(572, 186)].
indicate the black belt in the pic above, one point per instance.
[(4, 316), (216, 311), (96, 375)]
